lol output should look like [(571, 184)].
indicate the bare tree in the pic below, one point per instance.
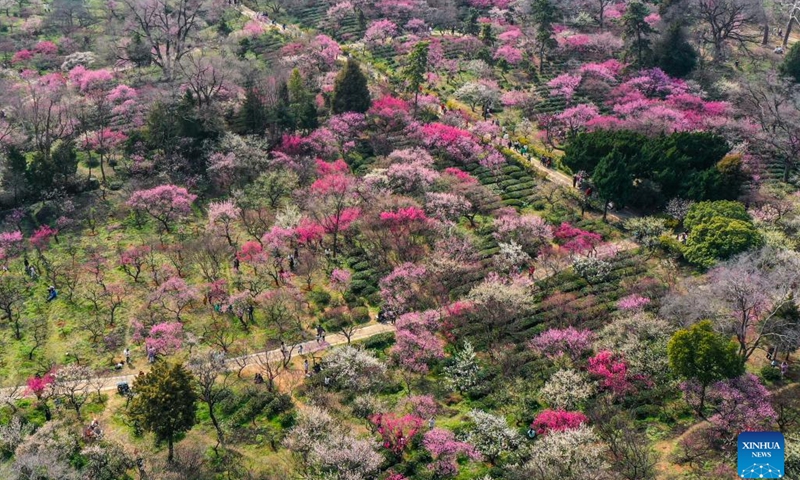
[(271, 367), (212, 376), (727, 20), (166, 26), (73, 384), (207, 75), (792, 9), (12, 295), (746, 297), (774, 103)]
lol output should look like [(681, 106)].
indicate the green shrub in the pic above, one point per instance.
[(360, 315), (381, 341), (321, 298), (770, 373)]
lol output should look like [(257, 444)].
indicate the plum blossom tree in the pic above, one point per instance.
[(491, 435), (613, 373), (174, 295), (740, 404), (555, 342), (446, 207), (529, 231), (445, 450), (416, 342), (397, 432), (571, 454), (379, 32), (567, 389), (221, 218), (165, 203), (557, 421)]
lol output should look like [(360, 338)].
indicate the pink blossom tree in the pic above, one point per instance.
[(445, 450), (165, 338), (165, 203), (529, 231), (174, 296), (556, 342), (221, 218)]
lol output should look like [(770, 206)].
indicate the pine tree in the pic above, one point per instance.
[(302, 109), (471, 26), (544, 14), (674, 54), (791, 64), (252, 118), (612, 180), (463, 373), (636, 31), (350, 92), (487, 34), (165, 402), (417, 68)]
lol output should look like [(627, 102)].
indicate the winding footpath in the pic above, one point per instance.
[(235, 363)]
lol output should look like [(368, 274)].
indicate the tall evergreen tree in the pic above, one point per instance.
[(252, 118), (350, 92), (302, 109), (471, 26), (544, 14), (612, 179), (673, 53), (165, 402), (791, 64), (487, 34), (417, 68), (636, 31)]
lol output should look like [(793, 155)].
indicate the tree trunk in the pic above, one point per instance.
[(789, 25), (217, 427), (171, 454), (765, 40), (605, 210), (102, 170)]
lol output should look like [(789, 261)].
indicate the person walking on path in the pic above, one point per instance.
[(127, 354)]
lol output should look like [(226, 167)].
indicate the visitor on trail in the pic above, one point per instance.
[(431, 423), (118, 365), (236, 264), (259, 379), (784, 369), (305, 366), (291, 263), (327, 381), (51, 293), (778, 50), (251, 313), (588, 192), (300, 349), (32, 272), (26, 263), (127, 354), (151, 354), (381, 316), (736, 64), (532, 271), (574, 181), (320, 333)]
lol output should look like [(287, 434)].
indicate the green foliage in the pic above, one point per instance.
[(55, 168), (703, 212), (791, 64), (636, 32), (165, 402), (691, 165), (320, 297), (487, 34), (719, 239), (698, 353), (674, 54), (417, 67), (252, 117), (138, 52), (770, 373), (544, 14), (350, 92), (612, 179)]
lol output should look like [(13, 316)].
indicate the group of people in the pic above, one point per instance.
[(93, 431)]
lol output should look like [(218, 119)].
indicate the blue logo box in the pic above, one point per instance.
[(761, 454)]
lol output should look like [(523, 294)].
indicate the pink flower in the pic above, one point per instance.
[(557, 421), (632, 302)]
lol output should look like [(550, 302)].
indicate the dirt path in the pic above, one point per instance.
[(110, 383)]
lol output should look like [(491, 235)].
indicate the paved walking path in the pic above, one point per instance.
[(110, 383)]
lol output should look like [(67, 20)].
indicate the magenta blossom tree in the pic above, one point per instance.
[(165, 203), (557, 421)]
